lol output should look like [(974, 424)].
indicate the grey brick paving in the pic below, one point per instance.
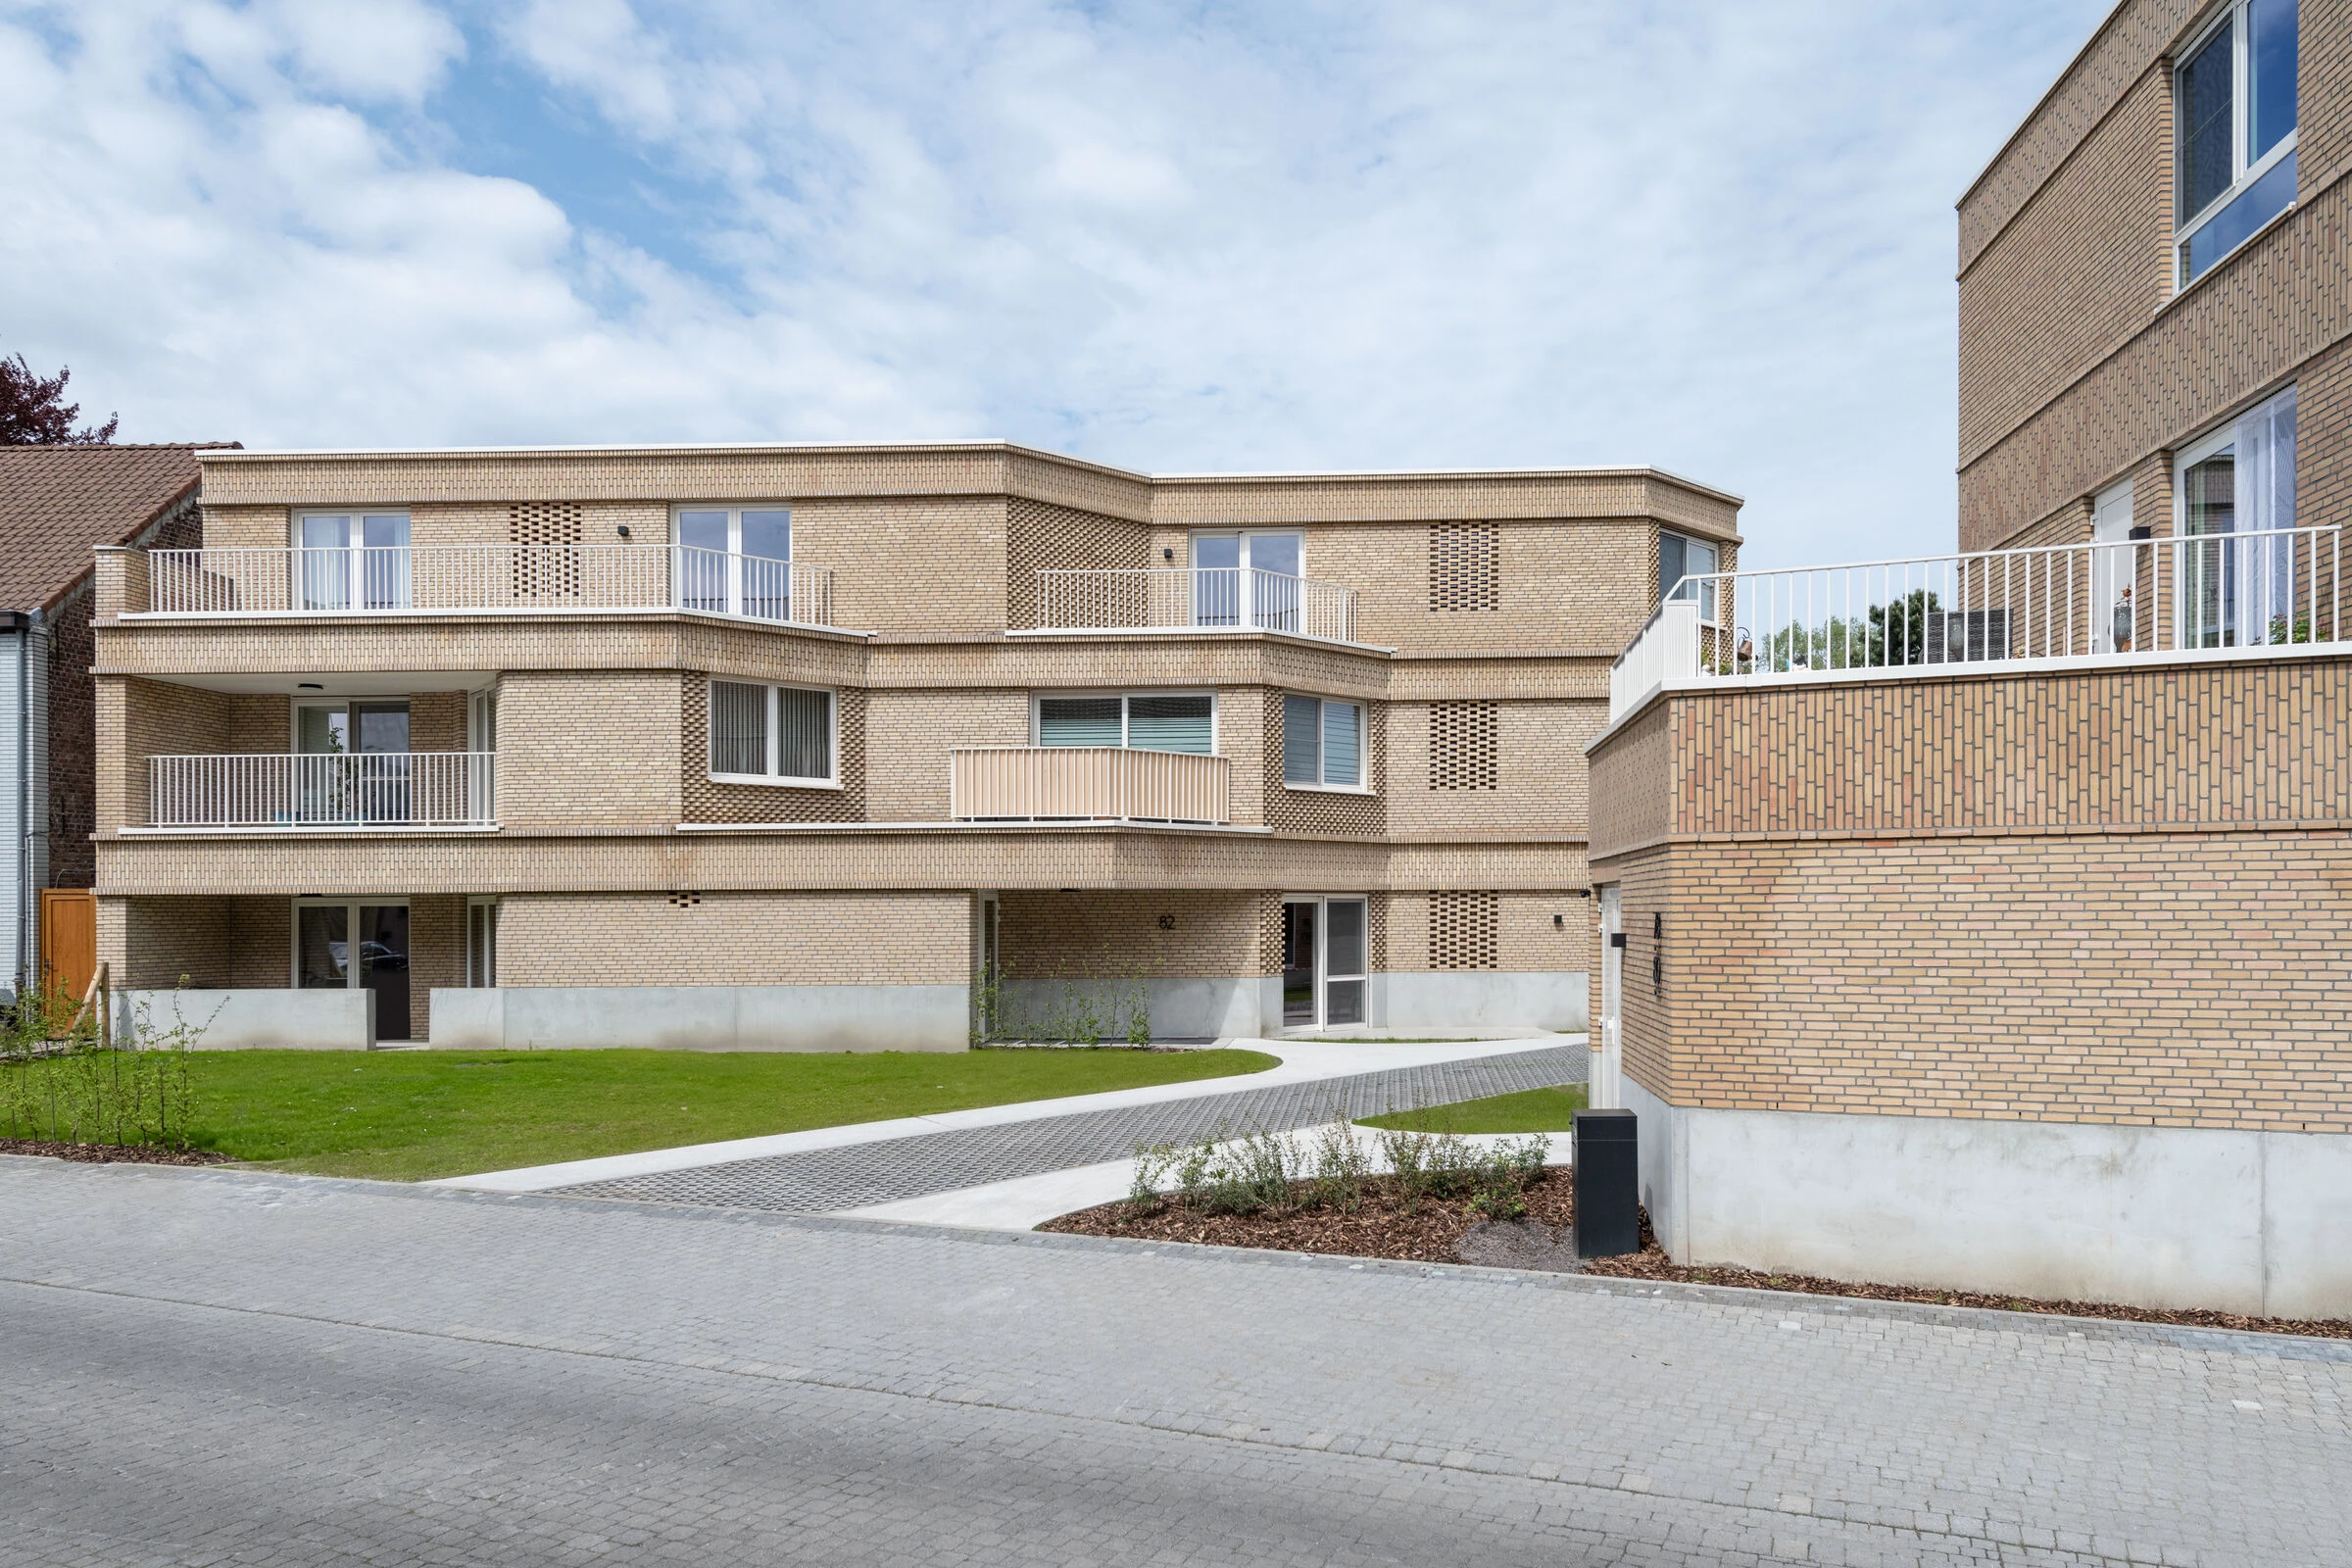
[(226, 1368), (821, 1181)]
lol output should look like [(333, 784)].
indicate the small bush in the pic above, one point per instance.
[(1270, 1173)]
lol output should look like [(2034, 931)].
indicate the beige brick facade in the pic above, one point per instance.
[(1489, 606), (2079, 363), (2104, 896)]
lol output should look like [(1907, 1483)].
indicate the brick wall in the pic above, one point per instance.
[(750, 938), (1488, 767), (1111, 935), (2110, 896), (1039, 537), (583, 752), (2077, 363)]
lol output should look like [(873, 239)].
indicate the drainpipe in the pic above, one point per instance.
[(21, 625)]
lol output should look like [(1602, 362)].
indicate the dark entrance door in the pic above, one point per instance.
[(383, 943)]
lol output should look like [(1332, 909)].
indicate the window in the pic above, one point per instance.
[(352, 764), (1143, 722), (1322, 744), (481, 942), (1326, 956), (1680, 558), (772, 734), (1247, 579), (736, 561), (2237, 591), (2233, 98), (351, 561), (346, 945)]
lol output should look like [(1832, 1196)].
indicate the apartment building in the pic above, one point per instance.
[(837, 748), (1979, 919)]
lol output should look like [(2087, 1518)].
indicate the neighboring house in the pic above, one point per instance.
[(56, 503), (1987, 921), (783, 747)]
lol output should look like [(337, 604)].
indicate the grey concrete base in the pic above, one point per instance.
[(1553, 999), (703, 1017), (254, 1020), (2253, 1222), (1176, 1010)]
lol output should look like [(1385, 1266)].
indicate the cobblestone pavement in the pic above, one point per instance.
[(823, 1180), (225, 1368)]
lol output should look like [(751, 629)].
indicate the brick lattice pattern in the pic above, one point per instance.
[(1465, 566), (1463, 930), (1463, 740)]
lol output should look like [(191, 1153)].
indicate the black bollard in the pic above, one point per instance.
[(1609, 1182)]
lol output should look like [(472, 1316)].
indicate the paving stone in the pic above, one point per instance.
[(824, 1180)]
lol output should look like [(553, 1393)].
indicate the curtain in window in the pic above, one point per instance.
[(1302, 751), (2267, 589), (1080, 721), (738, 728), (1170, 723), (1342, 744), (803, 734)]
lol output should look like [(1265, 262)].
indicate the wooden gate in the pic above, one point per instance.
[(69, 941)]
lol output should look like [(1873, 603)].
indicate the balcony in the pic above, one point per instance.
[(341, 792), (1208, 599), (498, 580), (2227, 594), (1086, 783)]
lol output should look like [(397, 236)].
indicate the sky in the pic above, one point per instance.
[(1172, 237)]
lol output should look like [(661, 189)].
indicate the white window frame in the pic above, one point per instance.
[(354, 571), (1363, 755), (2186, 226), (773, 780), (351, 922), (1705, 594), (1038, 700), (1322, 957), (734, 511), (1245, 535), (487, 902)]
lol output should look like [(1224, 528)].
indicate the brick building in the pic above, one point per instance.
[(1981, 920), (783, 747), (56, 503)]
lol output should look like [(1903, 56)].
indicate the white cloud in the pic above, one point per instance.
[(1714, 237)]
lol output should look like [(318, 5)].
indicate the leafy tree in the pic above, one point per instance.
[(33, 412), (1908, 642)]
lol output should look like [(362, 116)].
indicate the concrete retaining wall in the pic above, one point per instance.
[(255, 1021), (1474, 999), (703, 1017), (2253, 1222)]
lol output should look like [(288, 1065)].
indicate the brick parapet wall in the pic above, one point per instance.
[(2179, 746)]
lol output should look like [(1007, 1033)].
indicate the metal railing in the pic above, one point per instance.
[(2085, 601), (1228, 598), (411, 578), (1072, 783), (366, 789)]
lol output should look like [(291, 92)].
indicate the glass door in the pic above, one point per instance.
[(1300, 930), (351, 946), (736, 562), (2114, 618), (1247, 579), (351, 561), (1326, 962)]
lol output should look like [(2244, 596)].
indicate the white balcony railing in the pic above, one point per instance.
[(1226, 597), (1070, 783), (363, 790), (2092, 602), (507, 578)]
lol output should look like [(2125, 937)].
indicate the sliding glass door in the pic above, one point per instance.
[(352, 946)]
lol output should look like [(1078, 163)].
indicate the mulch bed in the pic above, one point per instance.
[(1449, 1233), (112, 1153)]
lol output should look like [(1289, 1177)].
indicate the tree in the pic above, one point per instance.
[(33, 412)]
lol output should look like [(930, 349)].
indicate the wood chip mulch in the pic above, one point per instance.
[(112, 1153), (1433, 1233)]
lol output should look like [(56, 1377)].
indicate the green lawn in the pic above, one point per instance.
[(1531, 1110), (415, 1115)]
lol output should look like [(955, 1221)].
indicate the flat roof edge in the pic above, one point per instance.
[(2042, 102), (888, 447)]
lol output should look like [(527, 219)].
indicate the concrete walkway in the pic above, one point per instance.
[(1332, 1064)]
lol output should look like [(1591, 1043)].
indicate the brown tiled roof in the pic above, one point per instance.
[(56, 503)]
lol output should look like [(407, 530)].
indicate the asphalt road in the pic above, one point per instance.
[(204, 1367)]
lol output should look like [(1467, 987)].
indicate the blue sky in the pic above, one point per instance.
[(1718, 238)]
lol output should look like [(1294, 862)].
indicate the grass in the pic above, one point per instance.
[(416, 1115), (1531, 1111)]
